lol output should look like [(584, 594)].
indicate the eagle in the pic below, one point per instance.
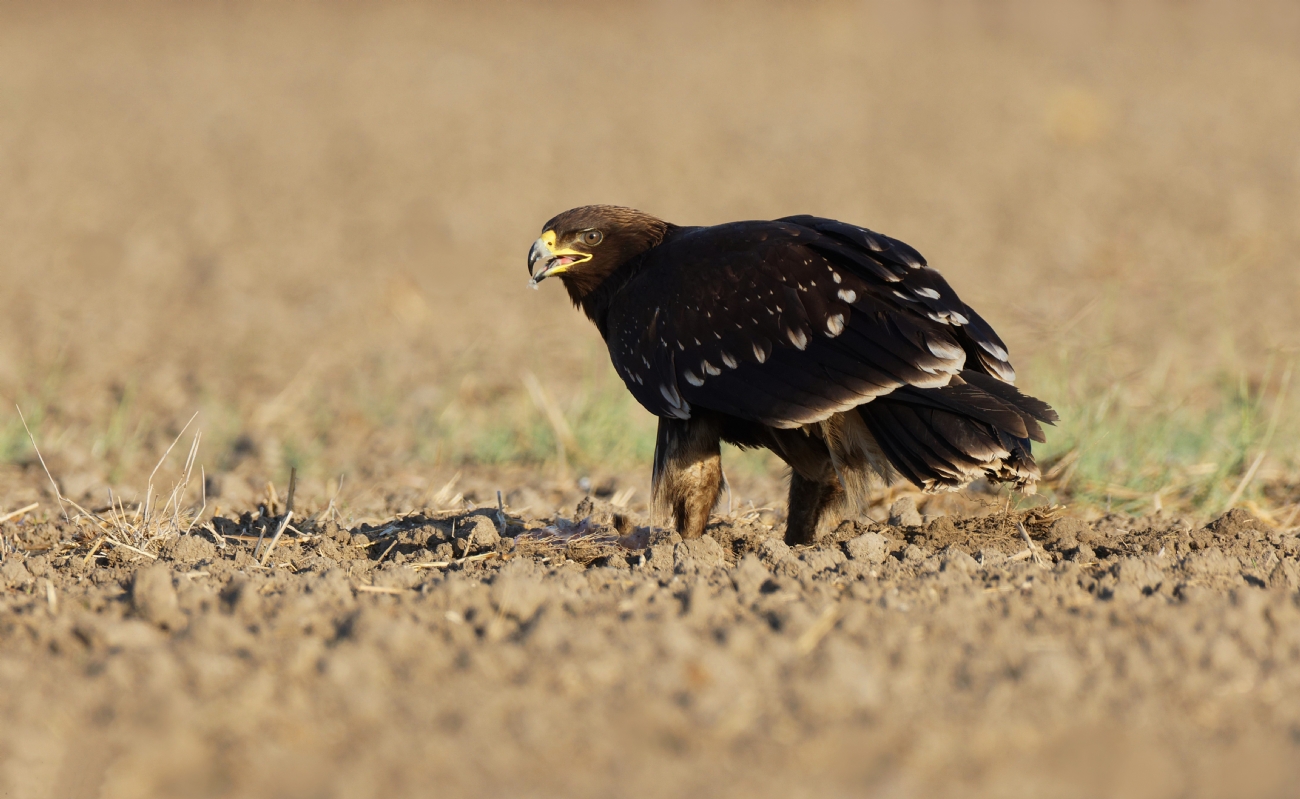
[(837, 348)]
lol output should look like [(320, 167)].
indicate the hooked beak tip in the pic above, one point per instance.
[(539, 252)]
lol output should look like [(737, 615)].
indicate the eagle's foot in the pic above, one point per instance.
[(812, 504), (688, 473)]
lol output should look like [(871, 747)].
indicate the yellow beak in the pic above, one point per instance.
[(545, 260)]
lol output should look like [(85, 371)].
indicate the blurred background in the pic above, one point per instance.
[(308, 223)]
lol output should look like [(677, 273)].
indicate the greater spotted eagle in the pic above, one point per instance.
[(837, 348)]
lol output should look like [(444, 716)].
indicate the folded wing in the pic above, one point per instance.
[(788, 322)]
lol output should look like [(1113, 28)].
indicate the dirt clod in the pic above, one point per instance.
[(1064, 534), (477, 532), (903, 513), (869, 547), (153, 597), (953, 559), (189, 549), (700, 555), (14, 574), (519, 592)]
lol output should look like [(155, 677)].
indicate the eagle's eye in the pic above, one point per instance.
[(592, 237)]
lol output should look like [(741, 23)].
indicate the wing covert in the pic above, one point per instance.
[(788, 322)]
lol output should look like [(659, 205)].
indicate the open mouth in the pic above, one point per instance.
[(542, 262), (554, 265)]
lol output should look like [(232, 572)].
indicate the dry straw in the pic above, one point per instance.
[(1268, 439), (134, 531), (564, 439)]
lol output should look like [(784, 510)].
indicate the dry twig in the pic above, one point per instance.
[(1263, 447), (148, 493), (14, 514), (57, 493), (293, 487), (1033, 551), (275, 539), (442, 564), (443, 498), (379, 589), (330, 511), (1290, 520), (136, 550), (813, 635), (386, 551)]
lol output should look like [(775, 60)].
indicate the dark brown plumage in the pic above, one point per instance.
[(836, 347)]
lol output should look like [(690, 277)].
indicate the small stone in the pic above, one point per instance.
[(869, 547), (903, 513)]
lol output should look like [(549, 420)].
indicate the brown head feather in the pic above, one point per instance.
[(626, 233)]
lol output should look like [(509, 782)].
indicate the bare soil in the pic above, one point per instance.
[(477, 652)]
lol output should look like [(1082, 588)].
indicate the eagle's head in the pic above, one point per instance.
[(583, 246)]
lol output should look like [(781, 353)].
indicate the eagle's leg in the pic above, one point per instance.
[(812, 500), (687, 476)]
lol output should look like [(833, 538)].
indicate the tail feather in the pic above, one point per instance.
[(943, 438), (934, 455)]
